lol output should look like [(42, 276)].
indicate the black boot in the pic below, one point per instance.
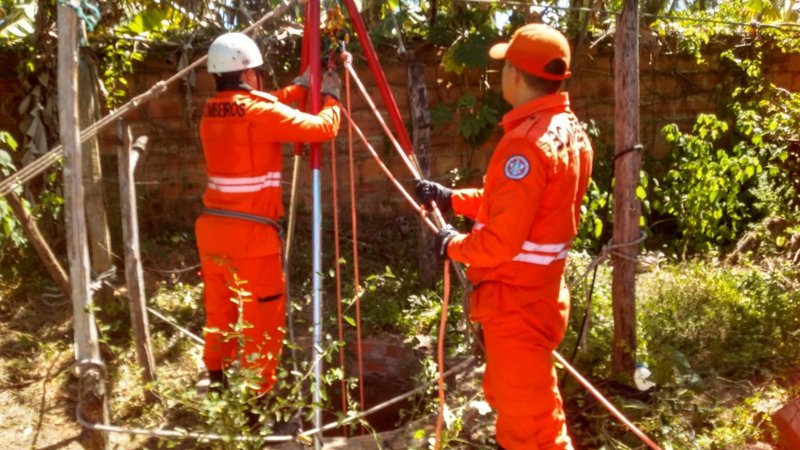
[(288, 428), (253, 420), (218, 381)]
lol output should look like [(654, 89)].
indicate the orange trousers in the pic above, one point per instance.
[(264, 309), (520, 333)]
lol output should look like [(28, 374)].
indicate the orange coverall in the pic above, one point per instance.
[(241, 133), (526, 217)]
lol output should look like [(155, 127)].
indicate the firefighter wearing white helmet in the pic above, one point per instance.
[(241, 133), (233, 52)]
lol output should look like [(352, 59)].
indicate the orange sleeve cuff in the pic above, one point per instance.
[(290, 94), (466, 202), (327, 101), (454, 248)]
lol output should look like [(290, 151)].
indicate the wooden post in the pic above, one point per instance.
[(91, 392), (99, 237), (627, 208), (421, 125), (127, 157), (39, 243)]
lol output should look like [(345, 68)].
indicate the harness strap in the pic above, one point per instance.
[(245, 216)]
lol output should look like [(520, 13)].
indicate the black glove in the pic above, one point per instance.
[(302, 80), (331, 84), (443, 238), (428, 190)]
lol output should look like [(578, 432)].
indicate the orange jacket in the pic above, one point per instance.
[(241, 132), (528, 210)]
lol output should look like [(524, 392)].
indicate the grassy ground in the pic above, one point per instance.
[(721, 342)]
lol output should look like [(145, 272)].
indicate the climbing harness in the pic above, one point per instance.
[(271, 223), (245, 216)]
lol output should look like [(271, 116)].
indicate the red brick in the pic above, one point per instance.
[(787, 421), (135, 114), (174, 88), (164, 107), (393, 351), (794, 63), (7, 122), (204, 81), (782, 80)]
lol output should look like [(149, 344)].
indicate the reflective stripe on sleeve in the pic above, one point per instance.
[(540, 259), (536, 253), (237, 185), (529, 246)]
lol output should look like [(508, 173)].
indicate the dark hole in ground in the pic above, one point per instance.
[(389, 370), (377, 389)]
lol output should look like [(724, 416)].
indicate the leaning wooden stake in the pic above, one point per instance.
[(627, 208), (92, 405), (33, 234), (127, 157)]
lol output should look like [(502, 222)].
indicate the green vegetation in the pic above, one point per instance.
[(718, 296)]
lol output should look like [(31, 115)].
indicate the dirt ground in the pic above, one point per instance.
[(37, 396), (38, 388)]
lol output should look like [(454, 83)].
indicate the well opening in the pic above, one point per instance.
[(389, 370)]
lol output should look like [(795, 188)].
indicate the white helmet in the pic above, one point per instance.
[(233, 52)]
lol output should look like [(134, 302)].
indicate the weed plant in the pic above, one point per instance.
[(722, 346)]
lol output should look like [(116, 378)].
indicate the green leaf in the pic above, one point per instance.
[(5, 160), (474, 51), (450, 64), (598, 228), (441, 115)]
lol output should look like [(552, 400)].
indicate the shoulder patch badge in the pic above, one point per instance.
[(517, 167)]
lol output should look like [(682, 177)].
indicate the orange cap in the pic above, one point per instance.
[(532, 47)]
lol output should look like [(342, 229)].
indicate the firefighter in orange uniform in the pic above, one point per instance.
[(237, 235), (525, 216)]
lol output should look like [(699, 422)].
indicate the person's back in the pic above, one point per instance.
[(546, 149), (241, 132), (238, 235)]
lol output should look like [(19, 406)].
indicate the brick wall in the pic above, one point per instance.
[(674, 88)]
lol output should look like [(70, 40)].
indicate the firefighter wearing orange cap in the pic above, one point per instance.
[(237, 235), (526, 216)]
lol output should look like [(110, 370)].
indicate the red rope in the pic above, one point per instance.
[(348, 59), (338, 274), (377, 72), (633, 428), (442, 327), (419, 208), (356, 279)]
